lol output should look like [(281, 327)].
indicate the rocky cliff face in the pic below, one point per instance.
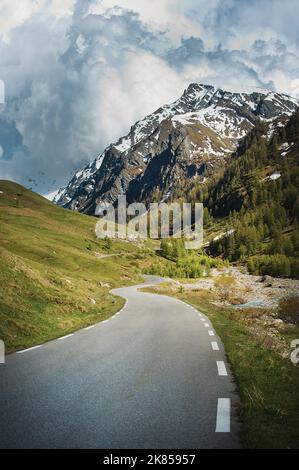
[(183, 140)]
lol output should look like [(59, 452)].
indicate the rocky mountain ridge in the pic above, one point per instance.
[(186, 139)]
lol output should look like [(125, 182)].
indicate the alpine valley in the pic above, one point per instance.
[(149, 227), (235, 152), (238, 154)]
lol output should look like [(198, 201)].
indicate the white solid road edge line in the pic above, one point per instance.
[(89, 327), (223, 415), (64, 337), (221, 368), (29, 349), (215, 346)]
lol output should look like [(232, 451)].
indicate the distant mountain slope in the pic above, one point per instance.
[(255, 203), (178, 142)]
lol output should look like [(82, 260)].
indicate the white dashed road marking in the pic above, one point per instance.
[(215, 346), (206, 324), (29, 349), (211, 333), (221, 368), (65, 337), (223, 415)]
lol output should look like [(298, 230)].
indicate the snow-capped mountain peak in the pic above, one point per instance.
[(180, 140)]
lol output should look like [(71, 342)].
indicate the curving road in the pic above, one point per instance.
[(153, 376)]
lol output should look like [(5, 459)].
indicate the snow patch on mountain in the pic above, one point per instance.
[(274, 176)]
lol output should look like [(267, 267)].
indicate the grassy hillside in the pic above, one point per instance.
[(53, 269)]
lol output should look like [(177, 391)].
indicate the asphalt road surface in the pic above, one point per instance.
[(154, 376)]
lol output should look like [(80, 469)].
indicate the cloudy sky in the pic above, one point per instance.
[(79, 73)]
